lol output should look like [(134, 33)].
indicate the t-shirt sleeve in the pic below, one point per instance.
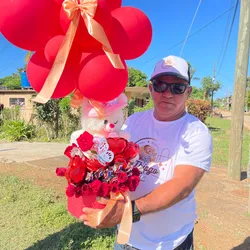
[(196, 150)]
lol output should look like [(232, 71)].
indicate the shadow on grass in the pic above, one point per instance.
[(244, 246), (213, 129), (77, 236)]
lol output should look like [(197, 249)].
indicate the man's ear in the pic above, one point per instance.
[(190, 89), (150, 87)]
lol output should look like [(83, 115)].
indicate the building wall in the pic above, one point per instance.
[(19, 97), (8, 98)]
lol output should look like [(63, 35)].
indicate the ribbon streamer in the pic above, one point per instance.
[(126, 221), (86, 9), (77, 99)]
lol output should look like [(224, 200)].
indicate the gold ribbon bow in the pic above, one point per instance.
[(73, 9), (126, 222)]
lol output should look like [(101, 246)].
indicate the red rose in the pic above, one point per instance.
[(114, 187), (93, 165), (121, 160), (68, 150), (95, 186), (61, 171), (85, 141), (133, 182), (122, 177), (136, 171), (70, 190), (131, 151), (76, 171), (104, 189), (123, 187), (78, 192), (85, 189), (117, 145)]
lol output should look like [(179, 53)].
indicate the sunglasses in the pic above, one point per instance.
[(175, 88)]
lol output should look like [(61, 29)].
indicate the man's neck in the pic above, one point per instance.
[(167, 118)]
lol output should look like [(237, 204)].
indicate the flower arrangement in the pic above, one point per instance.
[(99, 166)]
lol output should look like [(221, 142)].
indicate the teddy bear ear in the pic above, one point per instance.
[(122, 99)]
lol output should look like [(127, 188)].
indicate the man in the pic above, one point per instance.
[(164, 205)]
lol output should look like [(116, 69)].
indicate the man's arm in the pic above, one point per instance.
[(166, 195), (171, 192)]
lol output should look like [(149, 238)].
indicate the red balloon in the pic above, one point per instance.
[(114, 4), (83, 38), (38, 69), (53, 46), (59, 2), (99, 80), (30, 24), (132, 36), (3, 14)]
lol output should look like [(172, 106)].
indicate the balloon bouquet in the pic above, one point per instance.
[(80, 47)]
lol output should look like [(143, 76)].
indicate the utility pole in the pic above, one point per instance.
[(213, 82), (237, 122), (248, 180)]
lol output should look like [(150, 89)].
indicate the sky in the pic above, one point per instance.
[(171, 20)]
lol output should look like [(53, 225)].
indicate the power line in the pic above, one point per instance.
[(4, 48), (202, 28), (229, 35), (225, 33), (10, 64), (218, 73), (190, 27)]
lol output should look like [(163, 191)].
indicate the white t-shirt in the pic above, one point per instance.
[(164, 145)]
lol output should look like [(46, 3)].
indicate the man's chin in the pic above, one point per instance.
[(166, 105)]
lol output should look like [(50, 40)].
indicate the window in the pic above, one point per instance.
[(17, 101)]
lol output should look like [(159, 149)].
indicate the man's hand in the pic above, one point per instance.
[(111, 220)]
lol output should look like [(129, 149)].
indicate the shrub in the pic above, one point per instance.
[(11, 114), (17, 130), (199, 108), (131, 106), (148, 106)]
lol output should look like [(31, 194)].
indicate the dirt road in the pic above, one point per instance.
[(223, 222)]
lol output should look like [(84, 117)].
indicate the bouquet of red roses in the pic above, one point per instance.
[(101, 167)]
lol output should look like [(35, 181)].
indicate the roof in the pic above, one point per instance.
[(18, 91)]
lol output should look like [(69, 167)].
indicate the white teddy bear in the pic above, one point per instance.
[(102, 119)]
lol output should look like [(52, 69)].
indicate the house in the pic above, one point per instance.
[(23, 98)]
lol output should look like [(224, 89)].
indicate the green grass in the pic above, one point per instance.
[(36, 219), (220, 129)]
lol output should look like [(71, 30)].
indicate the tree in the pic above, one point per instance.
[(136, 78), (209, 88), (247, 97), (248, 100), (197, 93), (248, 83), (49, 113), (11, 82), (191, 70)]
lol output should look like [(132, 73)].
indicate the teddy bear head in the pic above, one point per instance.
[(105, 119)]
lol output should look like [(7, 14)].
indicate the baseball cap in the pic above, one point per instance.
[(172, 66)]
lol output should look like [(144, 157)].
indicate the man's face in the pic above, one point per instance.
[(147, 149), (169, 106)]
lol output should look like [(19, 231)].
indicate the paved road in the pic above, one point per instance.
[(51, 153), (30, 151)]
